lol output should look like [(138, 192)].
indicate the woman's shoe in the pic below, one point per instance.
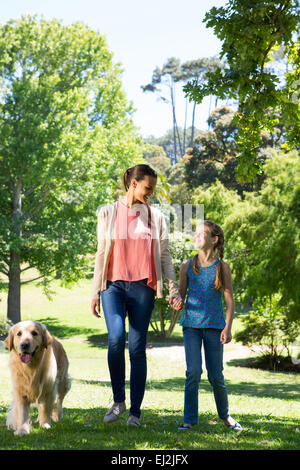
[(115, 412), (133, 421)]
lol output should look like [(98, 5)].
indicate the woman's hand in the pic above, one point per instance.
[(95, 306), (176, 302)]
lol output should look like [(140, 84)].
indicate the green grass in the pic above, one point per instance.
[(266, 404)]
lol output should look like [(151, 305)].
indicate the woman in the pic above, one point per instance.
[(132, 253)]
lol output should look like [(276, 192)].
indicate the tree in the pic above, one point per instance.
[(262, 232), (214, 154), (163, 83), (166, 141), (157, 158), (65, 128), (197, 70), (165, 79), (250, 32)]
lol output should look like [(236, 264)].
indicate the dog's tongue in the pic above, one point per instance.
[(25, 357)]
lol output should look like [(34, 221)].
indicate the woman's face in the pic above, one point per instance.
[(143, 189), (203, 238)]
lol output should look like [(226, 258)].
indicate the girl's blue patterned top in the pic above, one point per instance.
[(203, 307)]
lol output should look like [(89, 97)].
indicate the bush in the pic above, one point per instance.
[(268, 325), (5, 325)]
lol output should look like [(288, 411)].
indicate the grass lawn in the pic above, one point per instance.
[(265, 403)]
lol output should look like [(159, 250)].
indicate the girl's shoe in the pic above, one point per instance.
[(185, 427), (235, 425)]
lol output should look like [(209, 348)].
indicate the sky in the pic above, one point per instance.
[(142, 35)]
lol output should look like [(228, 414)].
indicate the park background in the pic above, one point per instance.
[(89, 89)]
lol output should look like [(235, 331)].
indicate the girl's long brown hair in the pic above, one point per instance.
[(216, 231), (138, 172)]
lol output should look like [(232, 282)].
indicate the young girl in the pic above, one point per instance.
[(206, 276)]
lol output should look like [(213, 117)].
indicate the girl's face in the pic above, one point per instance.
[(203, 238), (143, 189)]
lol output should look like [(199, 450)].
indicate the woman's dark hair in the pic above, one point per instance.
[(138, 172)]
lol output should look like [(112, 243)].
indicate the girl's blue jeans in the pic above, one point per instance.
[(213, 350), (136, 299)]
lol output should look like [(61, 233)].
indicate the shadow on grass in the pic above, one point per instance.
[(262, 362), (83, 429), (60, 330), (63, 331), (282, 391)]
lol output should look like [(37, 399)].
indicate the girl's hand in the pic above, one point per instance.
[(95, 306), (225, 336), (176, 302)]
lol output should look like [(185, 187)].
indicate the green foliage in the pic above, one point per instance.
[(262, 240), (66, 132), (219, 202), (267, 231), (250, 31), (156, 158), (214, 157), (166, 141), (214, 154), (4, 327), (268, 325)]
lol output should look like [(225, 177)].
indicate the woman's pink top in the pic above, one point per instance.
[(132, 255)]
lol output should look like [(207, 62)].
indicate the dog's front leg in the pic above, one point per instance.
[(45, 409), (20, 413)]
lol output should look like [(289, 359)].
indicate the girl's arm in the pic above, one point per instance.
[(229, 301)]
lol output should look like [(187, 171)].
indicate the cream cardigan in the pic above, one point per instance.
[(162, 257)]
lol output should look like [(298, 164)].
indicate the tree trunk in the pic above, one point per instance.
[(193, 125), (174, 125), (179, 140), (14, 289), (209, 111), (162, 320), (14, 275), (185, 120)]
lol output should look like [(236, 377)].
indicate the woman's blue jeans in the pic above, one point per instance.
[(213, 350), (136, 299)]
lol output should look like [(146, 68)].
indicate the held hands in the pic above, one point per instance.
[(176, 302)]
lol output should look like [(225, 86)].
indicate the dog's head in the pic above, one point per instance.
[(26, 338)]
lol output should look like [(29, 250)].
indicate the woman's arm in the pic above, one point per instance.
[(229, 301), (183, 279), (167, 265), (99, 259)]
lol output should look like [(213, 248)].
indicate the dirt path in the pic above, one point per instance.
[(231, 351)]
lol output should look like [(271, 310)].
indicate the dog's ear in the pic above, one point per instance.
[(9, 341), (47, 338)]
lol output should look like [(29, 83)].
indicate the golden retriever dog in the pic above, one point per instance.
[(39, 372)]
